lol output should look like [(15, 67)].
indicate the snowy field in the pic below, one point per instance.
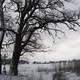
[(32, 72), (39, 72)]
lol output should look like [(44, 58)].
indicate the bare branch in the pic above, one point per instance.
[(7, 29)]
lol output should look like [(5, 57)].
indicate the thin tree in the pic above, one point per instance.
[(2, 32)]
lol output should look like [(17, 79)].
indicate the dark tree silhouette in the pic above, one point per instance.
[(36, 15)]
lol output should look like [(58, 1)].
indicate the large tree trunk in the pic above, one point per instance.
[(14, 63), (16, 56)]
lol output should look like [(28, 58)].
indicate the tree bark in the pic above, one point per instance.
[(14, 64), (16, 56)]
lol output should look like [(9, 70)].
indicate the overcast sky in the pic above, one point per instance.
[(66, 48)]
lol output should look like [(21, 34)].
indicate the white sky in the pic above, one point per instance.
[(65, 49), (68, 47)]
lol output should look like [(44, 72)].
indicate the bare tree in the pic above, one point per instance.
[(3, 29), (36, 15)]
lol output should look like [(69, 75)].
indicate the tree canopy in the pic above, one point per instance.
[(27, 18)]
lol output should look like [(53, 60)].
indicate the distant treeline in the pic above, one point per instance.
[(35, 62), (8, 61), (63, 61)]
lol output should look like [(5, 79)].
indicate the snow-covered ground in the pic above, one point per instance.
[(31, 72), (71, 76), (38, 72)]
